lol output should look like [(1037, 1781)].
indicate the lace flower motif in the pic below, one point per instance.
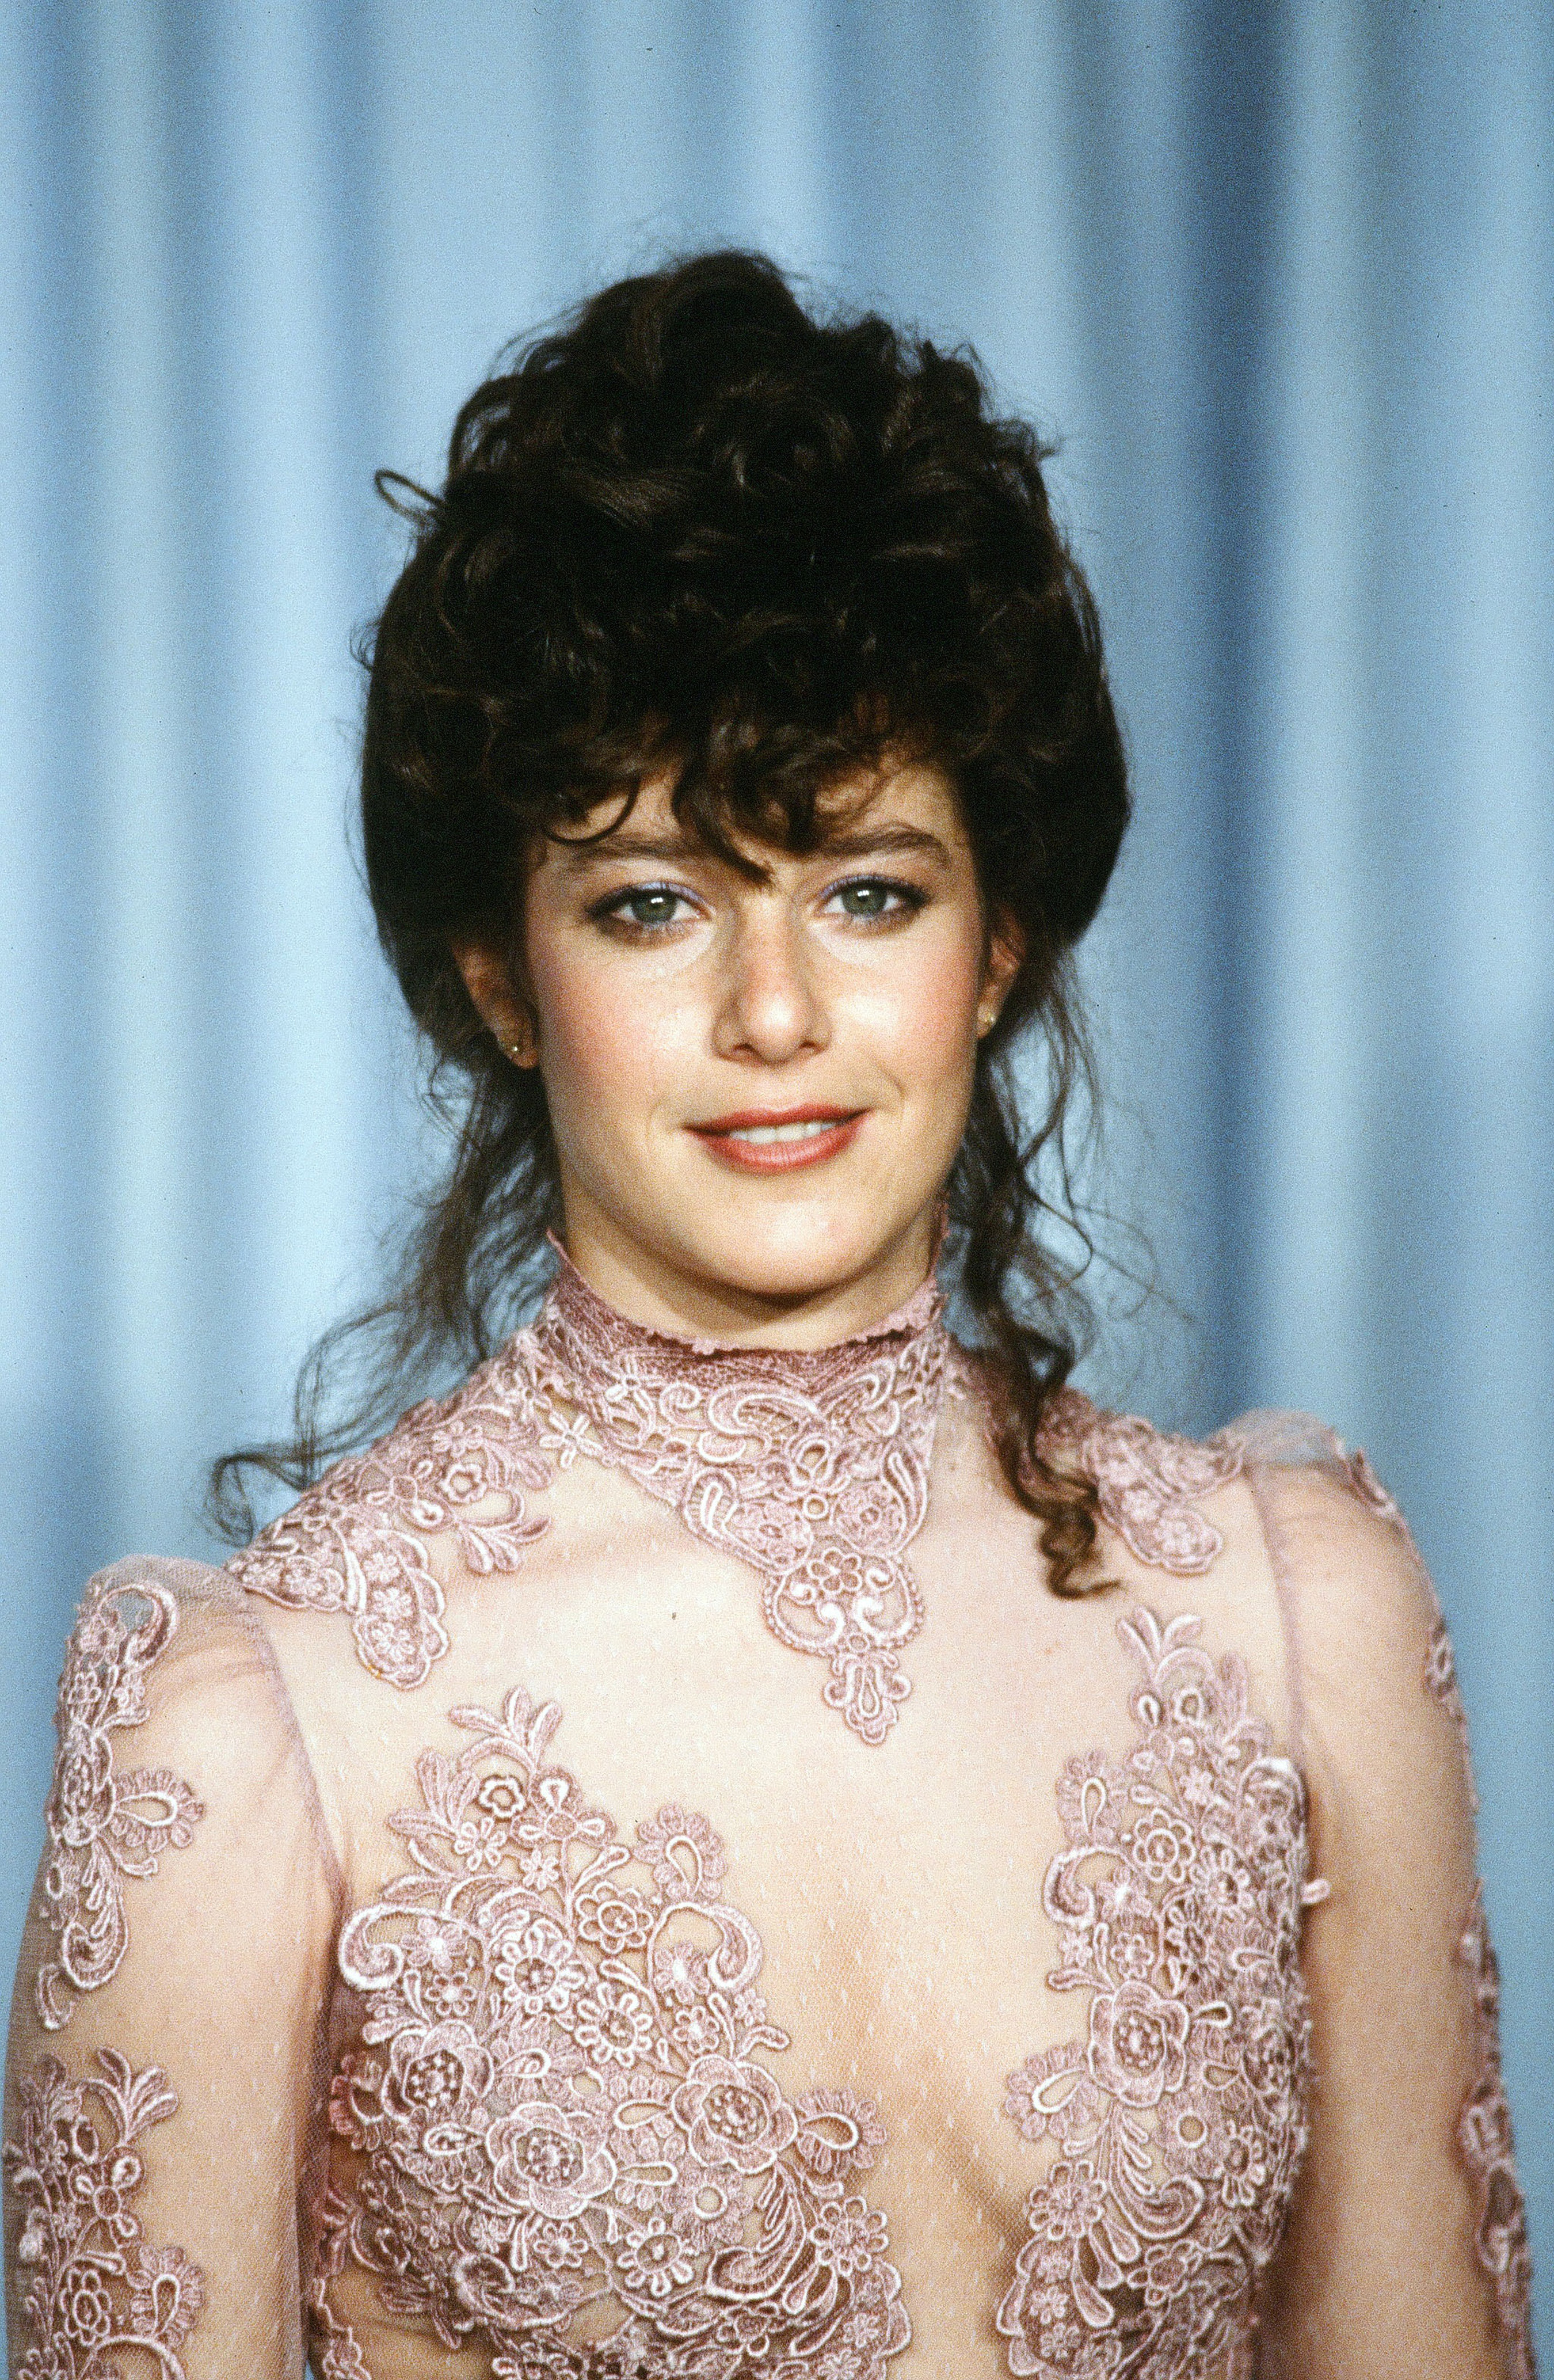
[(811, 1466), (356, 1542), (561, 2108), (92, 2285), (1179, 2115), (102, 1828), (1485, 2138), (1484, 2133), (1147, 1483)]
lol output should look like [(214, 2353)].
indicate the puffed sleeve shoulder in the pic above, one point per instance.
[(1407, 2248), (167, 2051)]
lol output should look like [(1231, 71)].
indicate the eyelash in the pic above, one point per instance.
[(612, 910), (909, 898)]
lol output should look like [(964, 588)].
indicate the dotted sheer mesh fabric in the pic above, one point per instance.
[(636, 1875)]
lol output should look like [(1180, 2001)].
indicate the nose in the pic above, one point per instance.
[(771, 1007)]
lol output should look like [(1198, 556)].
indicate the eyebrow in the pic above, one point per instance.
[(861, 843)]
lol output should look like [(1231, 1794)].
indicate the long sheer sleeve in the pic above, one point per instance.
[(166, 2051), (1407, 2250)]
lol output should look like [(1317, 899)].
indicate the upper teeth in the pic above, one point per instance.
[(764, 1131)]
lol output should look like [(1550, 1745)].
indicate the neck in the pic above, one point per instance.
[(670, 1295)]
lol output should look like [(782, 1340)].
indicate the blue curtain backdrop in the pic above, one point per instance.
[(1282, 280)]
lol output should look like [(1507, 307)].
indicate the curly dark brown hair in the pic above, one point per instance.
[(698, 526)]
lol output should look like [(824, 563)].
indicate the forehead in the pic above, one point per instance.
[(903, 805)]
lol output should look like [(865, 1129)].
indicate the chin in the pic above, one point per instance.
[(761, 1262)]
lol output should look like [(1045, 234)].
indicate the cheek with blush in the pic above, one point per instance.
[(612, 1049), (921, 1018)]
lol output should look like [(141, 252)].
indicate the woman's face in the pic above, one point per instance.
[(757, 1082)]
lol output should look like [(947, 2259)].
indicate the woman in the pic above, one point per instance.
[(757, 1839)]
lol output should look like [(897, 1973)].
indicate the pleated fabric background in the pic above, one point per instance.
[(1280, 279)]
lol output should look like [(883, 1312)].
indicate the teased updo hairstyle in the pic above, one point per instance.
[(698, 526)]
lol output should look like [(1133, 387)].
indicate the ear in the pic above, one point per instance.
[(1006, 951), (509, 1018)]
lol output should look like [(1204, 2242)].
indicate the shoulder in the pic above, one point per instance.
[(1345, 1561), (460, 1471), (1310, 1551), (1330, 1528), (181, 1624), (1301, 1537), (1156, 1489), (175, 1650), (175, 1736), (1323, 1523), (1384, 1734)]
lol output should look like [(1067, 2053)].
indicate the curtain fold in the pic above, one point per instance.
[(1280, 284)]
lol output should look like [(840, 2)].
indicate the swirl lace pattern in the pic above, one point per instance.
[(1484, 2136), (560, 2107), (1179, 2117), (96, 2286), (1441, 1676), (102, 1828), (811, 1466), (1484, 2131), (1440, 1684), (356, 1542), (1147, 1483)]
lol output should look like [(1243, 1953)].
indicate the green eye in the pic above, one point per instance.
[(651, 907), (875, 896)]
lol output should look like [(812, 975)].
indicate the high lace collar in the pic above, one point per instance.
[(581, 1313), (811, 1464)]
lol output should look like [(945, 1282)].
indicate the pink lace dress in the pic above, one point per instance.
[(637, 1876)]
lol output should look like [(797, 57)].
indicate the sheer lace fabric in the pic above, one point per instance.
[(94, 2285), (103, 1824), (474, 1882), (815, 1474), (163, 2171), (1407, 1915), (1180, 2113), (563, 2095)]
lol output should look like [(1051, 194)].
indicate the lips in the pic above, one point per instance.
[(771, 1140)]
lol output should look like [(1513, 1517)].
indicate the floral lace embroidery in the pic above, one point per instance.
[(355, 1542), (1362, 1483), (1440, 1684), (562, 2109), (102, 1828), (1484, 2135), (1441, 1665), (1147, 1482), (1179, 2118), (810, 1467), (1440, 1673), (335, 2351), (95, 2285)]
